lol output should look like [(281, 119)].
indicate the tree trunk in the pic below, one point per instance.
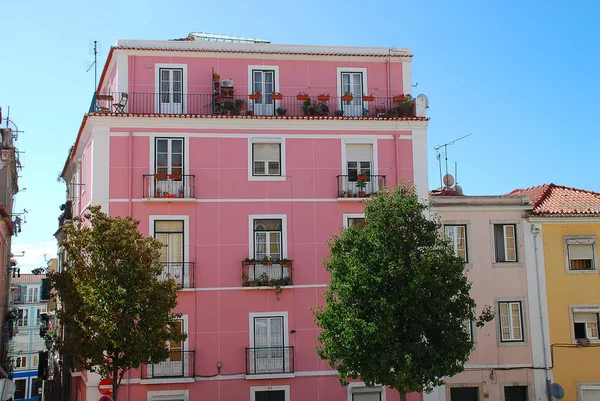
[(115, 390), (402, 396)]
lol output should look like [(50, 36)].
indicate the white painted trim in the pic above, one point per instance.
[(587, 239), (186, 229), (157, 68), (286, 332), (167, 395), (282, 162), (99, 171), (186, 153), (173, 380), (361, 387), (365, 140), (341, 70), (257, 288), (406, 77), (122, 75), (419, 157), (284, 230), (586, 386), (352, 216), (271, 376), (264, 68), (254, 389), (267, 136)]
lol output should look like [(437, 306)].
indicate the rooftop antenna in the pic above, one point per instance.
[(95, 65), (445, 146)]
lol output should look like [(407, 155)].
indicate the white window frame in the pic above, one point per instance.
[(168, 395), (157, 68), (176, 135), (349, 216), (33, 294), (282, 162), (274, 68), (361, 387), (282, 217), (583, 308), (454, 243), (26, 385), (255, 389), (341, 70), (521, 303), (22, 361), (580, 240), (83, 173), (361, 141), (518, 239), (31, 386), (186, 230), (581, 387), (25, 312), (450, 386)]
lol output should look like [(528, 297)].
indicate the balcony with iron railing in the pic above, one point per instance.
[(169, 186), (361, 186), (321, 106), (179, 364), (181, 272), (269, 360), (267, 273)]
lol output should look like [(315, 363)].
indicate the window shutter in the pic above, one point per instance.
[(504, 321), (516, 321), (585, 317), (510, 243), (370, 396), (266, 151), (581, 251), (359, 152)]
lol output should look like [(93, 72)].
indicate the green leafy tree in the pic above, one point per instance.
[(398, 299), (116, 310)]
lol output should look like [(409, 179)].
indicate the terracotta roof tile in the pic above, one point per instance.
[(255, 117), (28, 278), (558, 200)]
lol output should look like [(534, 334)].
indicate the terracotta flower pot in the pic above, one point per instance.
[(347, 98), (277, 96), (302, 97), (323, 98), (254, 96), (368, 98)]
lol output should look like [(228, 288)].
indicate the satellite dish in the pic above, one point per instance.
[(448, 180), (9, 389), (557, 391), (458, 190)]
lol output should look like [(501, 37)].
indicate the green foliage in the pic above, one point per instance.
[(116, 311), (398, 299)]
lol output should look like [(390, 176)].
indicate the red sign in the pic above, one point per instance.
[(105, 387)]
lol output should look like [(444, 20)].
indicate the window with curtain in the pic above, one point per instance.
[(170, 233), (359, 159), (267, 239), (169, 156), (266, 159), (457, 235), (581, 254), (505, 240)]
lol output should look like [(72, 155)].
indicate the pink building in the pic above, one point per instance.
[(497, 242), (245, 158)]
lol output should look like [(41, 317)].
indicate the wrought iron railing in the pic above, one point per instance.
[(269, 360), (258, 273), (247, 105), (357, 186), (181, 272), (179, 364), (169, 186)]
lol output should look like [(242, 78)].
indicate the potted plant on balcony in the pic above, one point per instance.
[(254, 96), (240, 104), (347, 97), (368, 98), (302, 96), (160, 176), (264, 278), (276, 96), (249, 262), (402, 106), (399, 98), (181, 193), (285, 262), (361, 185), (281, 111), (323, 97), (175, 177), (158, 193), (266, 261), (339, 113), (216, 77)]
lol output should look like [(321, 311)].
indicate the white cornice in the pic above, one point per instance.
[(564, 220)]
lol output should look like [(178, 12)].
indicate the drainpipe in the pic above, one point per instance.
[(536, 231), (130, 178), (397, 175)]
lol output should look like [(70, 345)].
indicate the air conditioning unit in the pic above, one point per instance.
[(227, 83)]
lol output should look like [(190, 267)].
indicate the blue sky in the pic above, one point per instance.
[(521, 77)]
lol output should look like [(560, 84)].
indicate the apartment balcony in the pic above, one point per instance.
[(169, 186), (180, 364), (322, 106), (269, 360), (267, 273), (181, 272), (353, 186)]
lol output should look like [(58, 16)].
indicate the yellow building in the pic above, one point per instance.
[(566, 221)]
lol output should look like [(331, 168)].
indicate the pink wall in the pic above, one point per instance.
[(311, 76)]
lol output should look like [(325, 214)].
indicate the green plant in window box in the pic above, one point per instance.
[(285, 262), (266, 261), (264, 279), (281, 111), (249, 261)]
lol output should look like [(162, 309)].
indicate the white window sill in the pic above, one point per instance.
[(352, 199), (271, 376), (266, 287), (267, 178), (189, 199), (591, 271), (507, 264), (512, 343), (166, 380)]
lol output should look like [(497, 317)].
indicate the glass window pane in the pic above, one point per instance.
[(259, 168), (267, 225), (274, 168), (177, 146), (162, 145)]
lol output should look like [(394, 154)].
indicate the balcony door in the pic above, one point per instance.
[(171, 91), (268, 344), (359, 163), (263, 81), (352, 83), (170, 234), (169, 166)]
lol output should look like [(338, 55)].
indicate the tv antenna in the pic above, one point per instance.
[(95, 65), (445, 146)]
